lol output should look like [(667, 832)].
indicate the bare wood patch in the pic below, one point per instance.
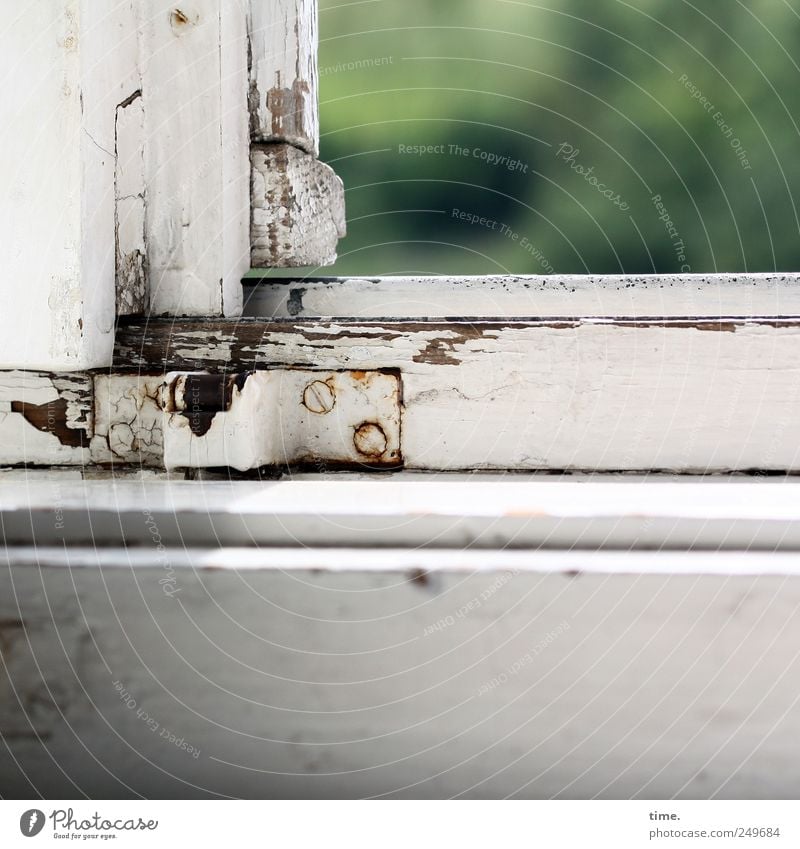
[(45, 419), (390, 343)]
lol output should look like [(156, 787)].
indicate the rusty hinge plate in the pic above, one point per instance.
[(249, 420)]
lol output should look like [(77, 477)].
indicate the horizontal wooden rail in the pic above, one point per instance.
[(688, 374), (691, 394), (292, 682), (524, 296), (531, 513)]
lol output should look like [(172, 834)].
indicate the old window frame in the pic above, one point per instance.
[(687, 373)]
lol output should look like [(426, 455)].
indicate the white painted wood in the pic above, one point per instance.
[(195, 93), (66, 67), (419, 564), (283, 683), (658, 513), (692, 395), (573, 296), (283, 73), (128, 420), (234, 154), (297, 208), (285, 417), (125, 167)]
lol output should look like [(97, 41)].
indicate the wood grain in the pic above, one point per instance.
[(688, 394)]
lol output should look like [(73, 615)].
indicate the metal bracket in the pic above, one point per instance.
[(250, 419)]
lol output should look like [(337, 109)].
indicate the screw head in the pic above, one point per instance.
[(369, 439), (319, 397)]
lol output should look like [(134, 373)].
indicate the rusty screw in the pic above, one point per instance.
[(369, 439), (319, 397)]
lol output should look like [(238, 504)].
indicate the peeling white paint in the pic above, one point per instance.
[(128, 420), (526, 296), (130, 188), (272, 420), (283, 43), (297, 208)]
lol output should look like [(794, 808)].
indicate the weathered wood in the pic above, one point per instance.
[(57, 204), (297, 208), (283, 44), (127, 171), (278, 681), (130, 194), (282, 417), (297, 203), (509, 295), (526, 512), (689, 394), (128, 420), (195, 100)]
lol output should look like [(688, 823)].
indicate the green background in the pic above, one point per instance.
[(521, 79)]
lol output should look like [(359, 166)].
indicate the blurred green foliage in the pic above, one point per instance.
[(697, 103)]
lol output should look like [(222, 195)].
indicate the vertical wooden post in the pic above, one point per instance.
[(195, 99), (150, 149), (71, 67), (283, 73), (297, 203)]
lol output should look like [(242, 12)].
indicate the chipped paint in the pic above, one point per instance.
[(297, 208), (282, 68), (46, 418), (526, 296), (128, 419), (287, 107), (130, 206), (276, 417), (50, 418), (645, 393)]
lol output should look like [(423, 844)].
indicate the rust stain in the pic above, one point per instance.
[(287, 109), (206, 392), (200, 397), (50, 418), (178, 18), (200, 421), (319, 397), (370, 440)]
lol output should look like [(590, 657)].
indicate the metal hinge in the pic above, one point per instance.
[(248, 420)]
